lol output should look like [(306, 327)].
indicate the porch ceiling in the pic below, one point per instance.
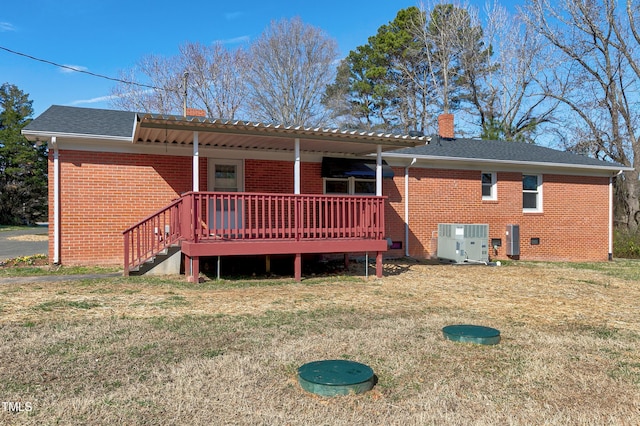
[(225, 134)]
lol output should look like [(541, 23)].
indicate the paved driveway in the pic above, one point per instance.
[(25, 242)]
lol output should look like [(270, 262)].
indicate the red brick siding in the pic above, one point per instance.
[(104, 193), (572, 226), (277, 177)]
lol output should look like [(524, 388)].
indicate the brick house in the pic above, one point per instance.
[(125, 186)]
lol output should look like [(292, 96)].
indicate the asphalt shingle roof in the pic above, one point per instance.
[(84, 121), (499, 151), (120, 124)]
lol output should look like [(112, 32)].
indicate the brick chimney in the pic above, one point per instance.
[(445, 126), (194, 112)]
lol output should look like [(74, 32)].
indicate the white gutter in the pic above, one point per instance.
[(296, 167), (196, 163), (513, 162), (56, 201), (44, 135), (406, 207)]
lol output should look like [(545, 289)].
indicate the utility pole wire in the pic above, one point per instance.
[(84, 71)]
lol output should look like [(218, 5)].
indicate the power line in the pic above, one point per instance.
[(83, 71)]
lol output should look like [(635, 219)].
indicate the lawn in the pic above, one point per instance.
[(158, 351)]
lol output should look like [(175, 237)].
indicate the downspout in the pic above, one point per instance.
[(196, 163), (611, 214), (56, 201), (406, 207)]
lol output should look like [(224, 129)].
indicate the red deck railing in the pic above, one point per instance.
[(230, 216), (259, 216), (152, 235)]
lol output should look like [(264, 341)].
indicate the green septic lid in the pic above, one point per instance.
[(472, 334), (335, 377)]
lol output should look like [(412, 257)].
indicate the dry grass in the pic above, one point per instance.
[(161, 351)]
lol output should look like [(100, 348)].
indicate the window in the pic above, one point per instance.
[(364, 187), (225, 176), (336, 186), (350, 186), (532, 193), (489, 187)]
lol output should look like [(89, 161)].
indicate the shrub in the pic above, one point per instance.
[(626, 244)]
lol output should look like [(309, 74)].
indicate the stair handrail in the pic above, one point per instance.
[(153, 234)]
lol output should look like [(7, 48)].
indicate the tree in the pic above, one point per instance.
[(291, 64), (416, 98), (23, 166), (445, 34), (337, 99), (165, 74), (217, 78), (215, 82), (279, 79), (501, 80), (597, 81), (421, 64), (360, 94), (384, 84), (404, 90)]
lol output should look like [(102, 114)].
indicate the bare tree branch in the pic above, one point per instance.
[(597, 46), (217, 78), (291, 64)]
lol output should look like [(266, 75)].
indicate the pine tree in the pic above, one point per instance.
[(23, 165)]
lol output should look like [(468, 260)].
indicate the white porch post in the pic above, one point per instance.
[(296, 168), (56, 201), (379, 171), (196, 163), (297, 263)]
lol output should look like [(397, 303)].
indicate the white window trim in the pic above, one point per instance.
[(538, 192), (351, 184), (494, 186)]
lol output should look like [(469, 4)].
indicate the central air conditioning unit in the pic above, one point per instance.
[(463, 243)]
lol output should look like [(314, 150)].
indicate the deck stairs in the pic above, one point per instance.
[(163, 263)]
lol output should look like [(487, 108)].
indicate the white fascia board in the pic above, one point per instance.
[(506, 165), (46, 136)]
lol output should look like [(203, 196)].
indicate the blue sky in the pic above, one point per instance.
[(105, 37)]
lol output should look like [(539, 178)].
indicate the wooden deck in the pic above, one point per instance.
[(223, 224)]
